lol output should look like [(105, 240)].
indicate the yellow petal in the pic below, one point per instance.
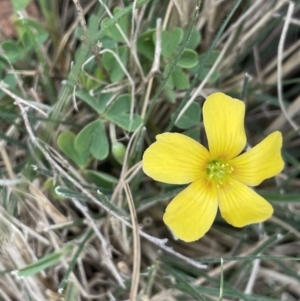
[(175, 159), (223, 118), (241, 206), (261, 162), (192, 212)]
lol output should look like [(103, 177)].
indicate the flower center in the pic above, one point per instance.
[(218, 171)]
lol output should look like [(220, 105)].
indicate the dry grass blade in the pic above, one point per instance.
[(279, 64), (136, 245)]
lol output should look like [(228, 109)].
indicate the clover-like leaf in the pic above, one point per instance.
[(188, 59), (99, 103), (180, 79), (12, 50), (211, 59), (169, 94), (113, 32), (194, 133), (170, 82), (194, 40), (93, 138), (118, 113), (19, 5), (31, 27), (65, 143), (11, 81), (112, 66), (191, 117), (203, 73), (145, 44), (170, 41)]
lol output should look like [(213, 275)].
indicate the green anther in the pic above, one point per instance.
[(218, 170)]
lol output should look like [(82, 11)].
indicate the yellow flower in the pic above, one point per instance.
[(219, 177)]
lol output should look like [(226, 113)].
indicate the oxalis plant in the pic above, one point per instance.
[(149, 150)]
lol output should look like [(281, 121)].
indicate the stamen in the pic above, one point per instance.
[(218, 171)]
